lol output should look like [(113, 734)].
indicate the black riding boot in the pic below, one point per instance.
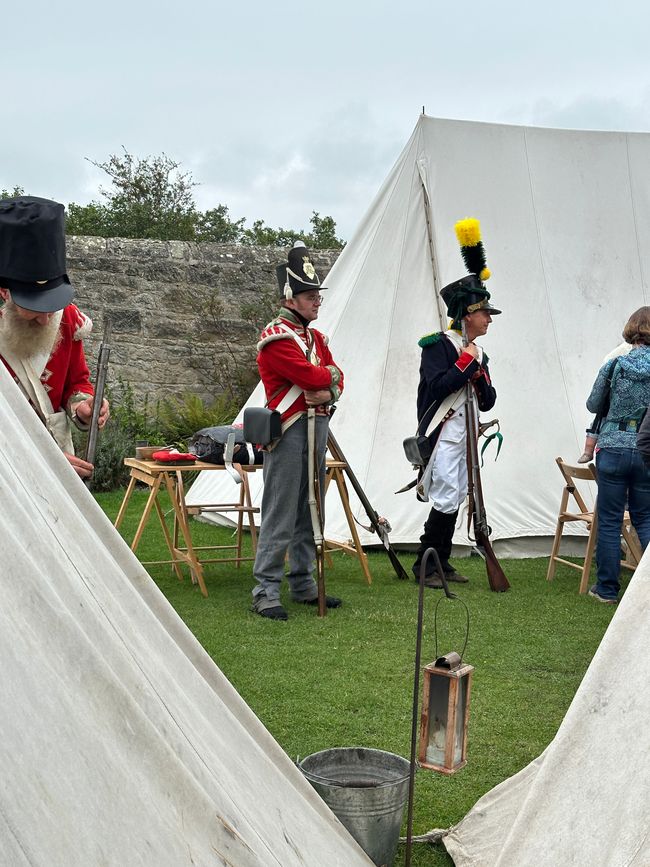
[(438, 533), (444, 552), (435, 531)]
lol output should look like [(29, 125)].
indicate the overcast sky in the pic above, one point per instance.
[(279, 110)]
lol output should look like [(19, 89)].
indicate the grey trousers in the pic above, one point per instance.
[(286, 521)]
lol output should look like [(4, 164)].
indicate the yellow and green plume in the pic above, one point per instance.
[(468, 232)]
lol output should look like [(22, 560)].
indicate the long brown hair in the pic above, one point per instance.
[(637, 329)]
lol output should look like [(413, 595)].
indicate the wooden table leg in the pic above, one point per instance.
[(168, 539), (240, 514), (125, 503), (246, 499), (153, 493), (178, 502)]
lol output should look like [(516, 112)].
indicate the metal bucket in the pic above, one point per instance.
[(367, 791)]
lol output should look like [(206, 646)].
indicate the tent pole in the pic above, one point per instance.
[(442, 318)]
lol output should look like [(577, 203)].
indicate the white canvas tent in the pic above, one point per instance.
[(585, 799), (565, 216), (122, 743)]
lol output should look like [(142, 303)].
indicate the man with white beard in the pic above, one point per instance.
[(41, 332)]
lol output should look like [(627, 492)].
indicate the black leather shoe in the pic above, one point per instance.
[(275, 613), (431, 581), (456, 577), (330, 601)]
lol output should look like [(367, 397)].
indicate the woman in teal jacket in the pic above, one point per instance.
[(623, 478)]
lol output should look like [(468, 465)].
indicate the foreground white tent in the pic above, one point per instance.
[(585, 799), (566, 222), (122, 743)]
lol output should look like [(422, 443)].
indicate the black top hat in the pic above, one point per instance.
[(298, 274), (32, 253), (469, 293)]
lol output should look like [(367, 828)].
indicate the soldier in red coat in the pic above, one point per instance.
[(298, 371), (41, 332)]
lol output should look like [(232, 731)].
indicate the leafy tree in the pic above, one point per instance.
[(323, 233), (152, 197), (92, 219), (216, 225), (148, 198), (321, 237), (263, 235), (11, 194)]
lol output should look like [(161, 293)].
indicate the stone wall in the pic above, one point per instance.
[(185, 316)]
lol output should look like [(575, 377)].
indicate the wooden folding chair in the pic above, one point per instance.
[(582, 513)]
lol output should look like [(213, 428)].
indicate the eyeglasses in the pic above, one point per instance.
[(314, 299)]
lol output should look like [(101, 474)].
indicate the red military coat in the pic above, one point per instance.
[(282, 363), (66, 370)]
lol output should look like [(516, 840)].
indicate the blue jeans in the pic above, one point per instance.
[(622, 479)]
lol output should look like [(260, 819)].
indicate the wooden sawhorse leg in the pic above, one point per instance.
[(125, 502), (356, 549), (177, 498), (153, 493)]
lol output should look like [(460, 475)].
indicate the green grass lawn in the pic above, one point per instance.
[(347, 679)]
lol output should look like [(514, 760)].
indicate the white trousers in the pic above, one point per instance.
[(449, 471)]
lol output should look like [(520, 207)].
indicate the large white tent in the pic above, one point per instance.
[(585, 799), (122, 742), (565, 216)]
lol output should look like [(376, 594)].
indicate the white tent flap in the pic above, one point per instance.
[(585, 799), (122, 742)]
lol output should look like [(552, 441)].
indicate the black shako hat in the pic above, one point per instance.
[(466, 296), (469, 293), (298, 274), (32, 253)]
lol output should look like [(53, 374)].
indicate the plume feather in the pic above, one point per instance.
[(468, 232)]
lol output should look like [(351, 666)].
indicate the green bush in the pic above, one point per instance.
[(179, 418), (171, 422)]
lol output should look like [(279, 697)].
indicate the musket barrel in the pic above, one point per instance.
[(100, 385)]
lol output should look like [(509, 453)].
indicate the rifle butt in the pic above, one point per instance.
[(496, 576), (400, 571)]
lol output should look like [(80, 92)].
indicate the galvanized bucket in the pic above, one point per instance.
[(367, 791)]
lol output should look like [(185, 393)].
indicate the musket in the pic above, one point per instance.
[(100, 385), (378, 524), (316, 508), (496, 576)]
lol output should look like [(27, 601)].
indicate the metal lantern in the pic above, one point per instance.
[(445, 693), (445, 714), (445, 703)]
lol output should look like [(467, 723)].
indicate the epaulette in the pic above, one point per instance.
[(81, 324), (429, 339), (275, 330)]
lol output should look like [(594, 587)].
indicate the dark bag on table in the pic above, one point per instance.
[(209, 445)]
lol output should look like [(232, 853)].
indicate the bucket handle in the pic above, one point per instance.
[(337, 784)]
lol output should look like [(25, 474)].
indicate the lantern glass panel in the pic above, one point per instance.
[(438, 713), (461, 709), (439, 718)]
